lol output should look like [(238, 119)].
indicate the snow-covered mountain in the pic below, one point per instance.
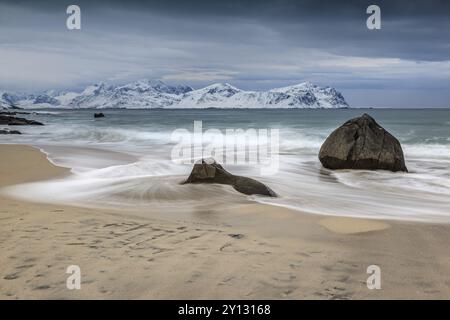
[(304, 95), (139, 94), (8, 100), (4, 104), (156, 94)]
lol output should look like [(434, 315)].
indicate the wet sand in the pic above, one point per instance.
[(246, 251)]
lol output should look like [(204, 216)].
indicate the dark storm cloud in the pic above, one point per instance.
[(252, 44), (285, 8), (410, 29)]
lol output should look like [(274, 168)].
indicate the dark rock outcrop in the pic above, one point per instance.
[(361, 143), (9, 113), (209, 171), (14, 121), (99, 115), (7, 131)]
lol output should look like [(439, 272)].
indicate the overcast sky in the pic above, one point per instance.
[(253, 45)]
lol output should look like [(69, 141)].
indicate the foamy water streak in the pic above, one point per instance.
[(125, 161)]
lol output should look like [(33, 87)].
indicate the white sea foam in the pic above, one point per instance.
[(424, 152), (130, 166)]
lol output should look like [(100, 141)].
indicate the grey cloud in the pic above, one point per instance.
[(252, 44)]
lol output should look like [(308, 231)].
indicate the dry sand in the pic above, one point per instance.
[(248, 252)]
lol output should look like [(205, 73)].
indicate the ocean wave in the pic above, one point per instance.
[(88, 134), (427, 151), (131, 192), (46, 112)]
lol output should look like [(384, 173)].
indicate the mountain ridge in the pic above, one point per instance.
[(148, 94)]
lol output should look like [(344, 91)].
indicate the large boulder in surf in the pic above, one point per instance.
[(14, 121), (361, 143), (209, 171)]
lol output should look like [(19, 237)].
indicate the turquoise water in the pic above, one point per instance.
[(152, 177)]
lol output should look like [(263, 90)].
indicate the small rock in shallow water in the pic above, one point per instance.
[(7, 131), (209, 171)]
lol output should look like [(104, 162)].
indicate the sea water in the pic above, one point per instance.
[(125, 159)]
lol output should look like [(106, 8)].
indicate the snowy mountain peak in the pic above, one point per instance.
[(225, 89), (145, 85), (95, 89), (221, 86), (304, 86)]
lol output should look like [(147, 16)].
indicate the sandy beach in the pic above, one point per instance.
[(246, 251)]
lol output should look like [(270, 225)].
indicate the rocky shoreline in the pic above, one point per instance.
[(9, 118), (16, 121)]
